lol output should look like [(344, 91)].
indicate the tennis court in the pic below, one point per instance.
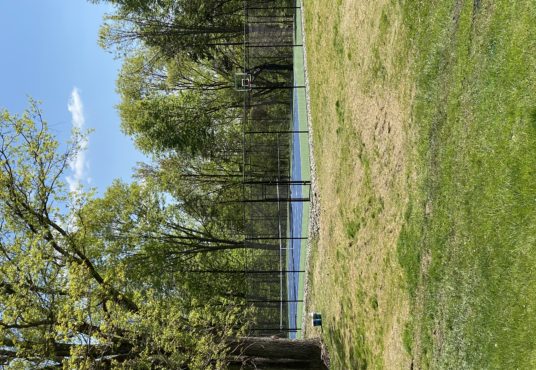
[(300, 171)]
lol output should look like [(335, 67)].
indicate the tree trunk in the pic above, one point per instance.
[(270, 364), (275, 353)]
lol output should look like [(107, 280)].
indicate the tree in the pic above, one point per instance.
[(70, 293), (199, 26), (165, 110), (272, 354), (143, 226), (66, 296)]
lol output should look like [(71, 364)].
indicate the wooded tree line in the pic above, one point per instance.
[(136, 278)]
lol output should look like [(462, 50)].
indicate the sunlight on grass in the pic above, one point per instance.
[(474, 216), (425, 134)]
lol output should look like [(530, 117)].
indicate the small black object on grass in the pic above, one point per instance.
[(317, 319)]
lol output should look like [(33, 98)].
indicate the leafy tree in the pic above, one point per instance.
[(67, 295), (204, 188), (136, 223), (199, 26), (72, 294), (167, 112)]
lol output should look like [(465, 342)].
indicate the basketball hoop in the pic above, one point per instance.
[(243, 82)]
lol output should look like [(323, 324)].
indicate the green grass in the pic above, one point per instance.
[(468, 244), (354, 273), (464, 213)]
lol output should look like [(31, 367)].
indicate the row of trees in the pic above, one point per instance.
[(179, 103), (146, 276), (103, 281)]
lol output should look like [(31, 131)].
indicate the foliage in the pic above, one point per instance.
[(197, 27), (70, 291), (176, 105), (151, 275)]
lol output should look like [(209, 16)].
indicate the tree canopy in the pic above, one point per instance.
[(150, 275), (71, 289)]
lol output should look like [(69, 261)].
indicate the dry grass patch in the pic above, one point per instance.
[(431, 173), (360, 97)]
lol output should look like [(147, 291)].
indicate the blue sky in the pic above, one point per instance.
[(50, 52)]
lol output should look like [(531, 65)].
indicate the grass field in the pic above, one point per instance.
[(424, 116)]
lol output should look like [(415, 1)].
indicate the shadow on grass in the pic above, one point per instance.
[(532, 119), (342, 357)]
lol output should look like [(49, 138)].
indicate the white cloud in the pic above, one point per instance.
[(79, 164)]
